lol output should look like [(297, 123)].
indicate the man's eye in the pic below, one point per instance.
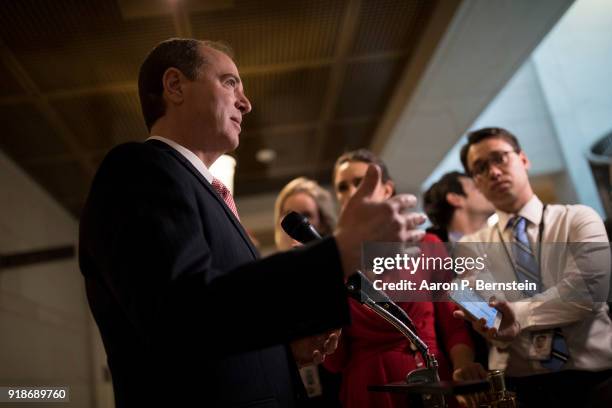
[(497, 158), (342, 187), (231, 82), (477, 167), (357, 181)]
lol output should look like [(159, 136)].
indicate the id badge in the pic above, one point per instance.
[(541, 345)]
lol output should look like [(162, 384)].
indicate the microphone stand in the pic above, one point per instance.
[(427, 374), (299, 228)]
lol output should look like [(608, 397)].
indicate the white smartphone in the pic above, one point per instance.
[(473, 304)]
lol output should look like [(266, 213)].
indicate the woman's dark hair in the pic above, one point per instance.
[(364, 156)]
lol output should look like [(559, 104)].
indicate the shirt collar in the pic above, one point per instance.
[(531, 211), (454, 236), (189, 155)]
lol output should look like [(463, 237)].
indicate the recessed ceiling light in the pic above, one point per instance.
[(265, 155)]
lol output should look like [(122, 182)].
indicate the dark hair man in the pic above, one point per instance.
[(456, 207), (578, 333), (188, 315)]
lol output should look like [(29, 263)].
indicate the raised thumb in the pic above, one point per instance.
[(369, 183)]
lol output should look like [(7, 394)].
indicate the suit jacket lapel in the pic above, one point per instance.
[(210, 189)]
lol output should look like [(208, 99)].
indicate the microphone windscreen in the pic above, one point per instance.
[(299, 228)]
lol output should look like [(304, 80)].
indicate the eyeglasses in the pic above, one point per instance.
[(480, 168)]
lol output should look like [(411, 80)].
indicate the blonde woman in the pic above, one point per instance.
[(306, 197)]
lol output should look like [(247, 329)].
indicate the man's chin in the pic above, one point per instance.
[(235, 144), (504, 202), (233, 140), (502, 188)]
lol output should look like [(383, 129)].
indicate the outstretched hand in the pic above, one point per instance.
[(365, 218)]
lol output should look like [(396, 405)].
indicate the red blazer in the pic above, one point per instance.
[(371, 351)]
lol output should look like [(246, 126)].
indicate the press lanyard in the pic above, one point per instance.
[(540, 237)]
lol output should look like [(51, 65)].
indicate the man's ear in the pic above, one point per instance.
[(454, 199), (525, 160), (173, 81)]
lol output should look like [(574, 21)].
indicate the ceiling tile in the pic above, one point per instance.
[(8, 84), (26, 133), (290, 97), (280, 31), (342, 138), (391, 25), (368, 87), (66, 44), (102, 121), (84, 56)]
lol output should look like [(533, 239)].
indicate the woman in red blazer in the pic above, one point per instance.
[(371, 351)]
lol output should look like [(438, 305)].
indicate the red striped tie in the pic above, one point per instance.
[(226, 195)]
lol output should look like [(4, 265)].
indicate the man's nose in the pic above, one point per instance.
[(243, 104), (493, 170)]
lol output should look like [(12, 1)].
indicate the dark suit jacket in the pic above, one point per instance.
[(188, 315)]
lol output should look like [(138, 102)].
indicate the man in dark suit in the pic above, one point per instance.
[(188, 315)]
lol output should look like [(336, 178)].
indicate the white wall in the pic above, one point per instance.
[(574, 66), (558, 103), (521, 108), (46, 333), (482, 49)]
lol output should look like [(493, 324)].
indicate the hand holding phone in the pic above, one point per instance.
[(476, 307), (505, 330)]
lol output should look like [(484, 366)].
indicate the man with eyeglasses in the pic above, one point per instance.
[(578, 334)]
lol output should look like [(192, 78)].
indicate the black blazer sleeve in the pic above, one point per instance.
[(144, 248)]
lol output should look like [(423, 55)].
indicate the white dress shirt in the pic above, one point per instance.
[(585, 323), (189, 155)]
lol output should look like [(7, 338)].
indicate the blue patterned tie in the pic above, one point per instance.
[(527, 269), (526, 265)]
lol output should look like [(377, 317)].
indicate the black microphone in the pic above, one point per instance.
[(299, 228), (359, 286)]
